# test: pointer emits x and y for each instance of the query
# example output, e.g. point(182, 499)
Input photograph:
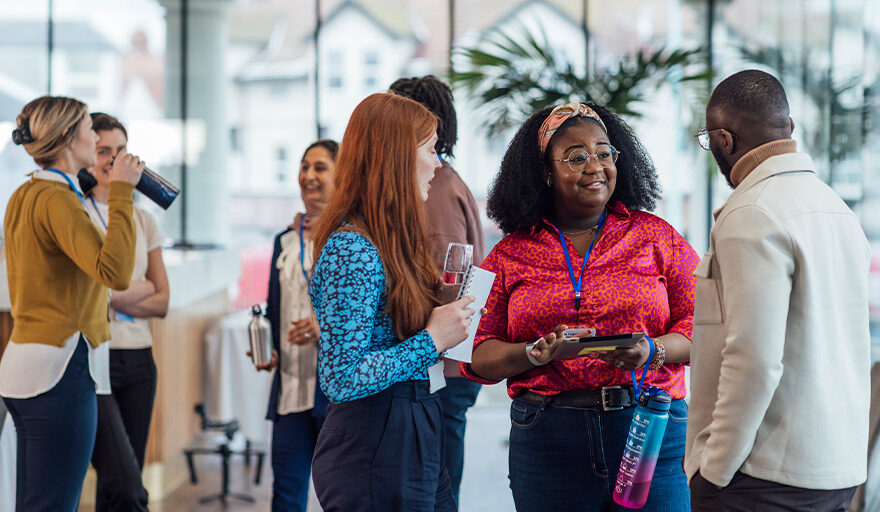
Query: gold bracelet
point(659, 356)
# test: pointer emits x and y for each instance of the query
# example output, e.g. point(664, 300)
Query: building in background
point(258, 92)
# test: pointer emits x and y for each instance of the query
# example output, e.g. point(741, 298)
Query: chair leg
point(225, 453)
point(192, 467)
point(259, 471)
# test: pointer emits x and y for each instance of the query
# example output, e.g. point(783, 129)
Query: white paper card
point(478, 283)
point(436, 380)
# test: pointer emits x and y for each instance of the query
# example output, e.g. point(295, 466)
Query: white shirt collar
point(43, 174)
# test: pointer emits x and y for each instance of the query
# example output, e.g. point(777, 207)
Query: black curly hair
point(436, 96)
point(520, 197)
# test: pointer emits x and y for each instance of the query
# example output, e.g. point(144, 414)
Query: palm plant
point(517, 76)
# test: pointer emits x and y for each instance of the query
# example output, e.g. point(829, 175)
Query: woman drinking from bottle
point(59, 268)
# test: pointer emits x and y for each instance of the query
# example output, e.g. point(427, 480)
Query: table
point(233, 388)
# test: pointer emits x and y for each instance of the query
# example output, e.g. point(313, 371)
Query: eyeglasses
point(703, 136)
point(579, 160)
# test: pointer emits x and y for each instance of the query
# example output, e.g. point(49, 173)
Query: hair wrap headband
point(22, 134)
point(561, 114)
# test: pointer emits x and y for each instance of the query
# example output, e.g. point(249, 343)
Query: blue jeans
point(293, 443)
point(567, 459)
point(56, 434)
point(457, 397)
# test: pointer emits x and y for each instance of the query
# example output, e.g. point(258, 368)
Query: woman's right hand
point(545, 348)
point(127, 168)
point(269, 366)
point(448, 324)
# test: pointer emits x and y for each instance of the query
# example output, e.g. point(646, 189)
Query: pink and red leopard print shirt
point(639, 278)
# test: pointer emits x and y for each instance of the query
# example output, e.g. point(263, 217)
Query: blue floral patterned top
point(358, 353)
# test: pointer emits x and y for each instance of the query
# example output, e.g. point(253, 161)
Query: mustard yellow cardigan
point(59, 265)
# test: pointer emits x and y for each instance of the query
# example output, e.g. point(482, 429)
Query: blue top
point(358, 353)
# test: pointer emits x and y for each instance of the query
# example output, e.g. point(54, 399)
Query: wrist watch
point(529, 348)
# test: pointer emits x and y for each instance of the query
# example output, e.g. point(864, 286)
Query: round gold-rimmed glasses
point(579, 160)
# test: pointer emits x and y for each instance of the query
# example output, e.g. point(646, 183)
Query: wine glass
point(458, 259)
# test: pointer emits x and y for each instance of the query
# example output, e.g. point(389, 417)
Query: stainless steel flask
point(260, 337)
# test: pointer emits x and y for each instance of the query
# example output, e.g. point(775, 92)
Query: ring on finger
point(620, 364)
point(307, 335)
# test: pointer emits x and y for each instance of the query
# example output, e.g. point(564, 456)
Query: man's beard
point(723, 166)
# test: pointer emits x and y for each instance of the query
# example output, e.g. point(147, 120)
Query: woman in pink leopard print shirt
point(572, 187)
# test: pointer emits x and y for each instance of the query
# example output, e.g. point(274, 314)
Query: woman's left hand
point(303, 331)
point(628, 358)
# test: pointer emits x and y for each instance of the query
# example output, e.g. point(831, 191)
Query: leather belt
point(607, 398)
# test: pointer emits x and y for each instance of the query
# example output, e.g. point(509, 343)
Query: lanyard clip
point(577, 301)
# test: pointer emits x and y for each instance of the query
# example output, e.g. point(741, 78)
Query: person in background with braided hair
point(452, 217)
point(582, 252)
point(59, 268)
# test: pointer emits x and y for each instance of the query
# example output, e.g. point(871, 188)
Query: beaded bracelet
point(659, 356)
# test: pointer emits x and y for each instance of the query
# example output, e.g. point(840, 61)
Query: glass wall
point(258, 80)
point(827, 55)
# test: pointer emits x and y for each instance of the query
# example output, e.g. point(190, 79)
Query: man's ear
point(728, 143)
point(791, 121)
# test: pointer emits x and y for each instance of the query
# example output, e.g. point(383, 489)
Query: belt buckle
point(605, 398)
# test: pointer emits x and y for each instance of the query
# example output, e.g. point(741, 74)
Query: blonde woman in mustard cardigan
point(59, 268)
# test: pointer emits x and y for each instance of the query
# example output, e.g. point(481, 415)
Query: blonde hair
point(52, 122)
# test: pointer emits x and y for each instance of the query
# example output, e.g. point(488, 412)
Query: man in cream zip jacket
point(781, 347)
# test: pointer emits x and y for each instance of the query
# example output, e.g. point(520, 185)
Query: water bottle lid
point(655, 399)
point(256, 310)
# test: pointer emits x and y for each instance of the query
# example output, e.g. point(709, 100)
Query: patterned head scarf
point(559, 115)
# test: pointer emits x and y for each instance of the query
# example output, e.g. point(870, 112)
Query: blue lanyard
point(637, 387)
point(580, 280)
point(69, 182)
point(302, 250)
point(100, 217)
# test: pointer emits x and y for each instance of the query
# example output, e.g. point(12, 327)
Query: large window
point(256, 84)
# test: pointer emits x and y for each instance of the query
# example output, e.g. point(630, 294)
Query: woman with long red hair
point(381, 326)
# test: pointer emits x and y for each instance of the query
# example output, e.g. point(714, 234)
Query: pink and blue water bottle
point(642, 448)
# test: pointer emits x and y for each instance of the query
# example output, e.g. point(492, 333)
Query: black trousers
point(747, 494)
point(123, 425)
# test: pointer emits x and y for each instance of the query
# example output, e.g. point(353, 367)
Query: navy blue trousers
point(384, 453)
point(293, 444)
point(56, 434)
point(567, 459)
point(457, 397)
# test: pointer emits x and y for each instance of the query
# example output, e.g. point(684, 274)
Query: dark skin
point(749, 132)
point(579, 198)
